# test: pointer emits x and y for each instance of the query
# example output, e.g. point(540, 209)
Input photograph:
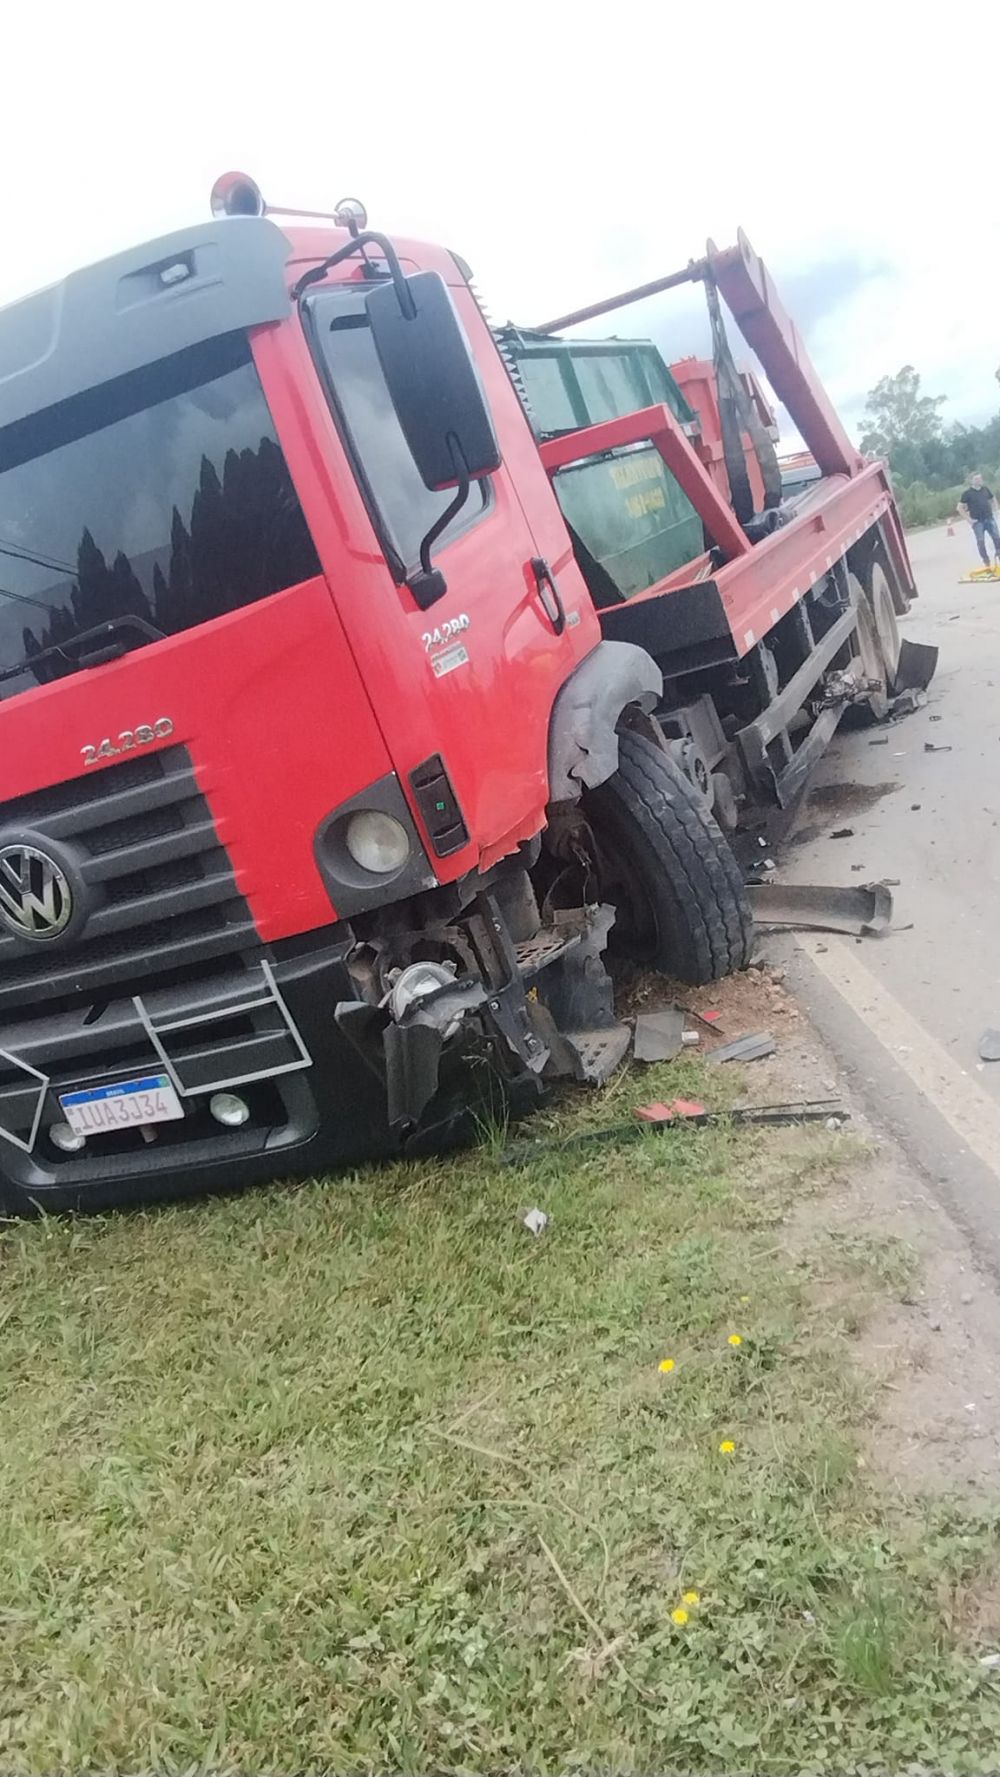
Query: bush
point(920, 505)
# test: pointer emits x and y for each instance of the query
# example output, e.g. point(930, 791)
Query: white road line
point(965, 1107)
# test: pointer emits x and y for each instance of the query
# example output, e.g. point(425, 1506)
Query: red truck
point(325, 781)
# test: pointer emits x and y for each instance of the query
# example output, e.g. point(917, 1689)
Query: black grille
point(160, 887)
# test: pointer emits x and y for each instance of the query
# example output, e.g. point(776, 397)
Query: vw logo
point(36, 900)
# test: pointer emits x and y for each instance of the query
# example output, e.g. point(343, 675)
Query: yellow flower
point(736, 1339)
point(679, 1616)
point(727, 1447)
point(666, 1365)
point(692, 1597)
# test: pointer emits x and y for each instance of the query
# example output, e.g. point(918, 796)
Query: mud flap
point(917, 666)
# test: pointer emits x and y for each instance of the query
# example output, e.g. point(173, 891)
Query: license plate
point(125, 1105)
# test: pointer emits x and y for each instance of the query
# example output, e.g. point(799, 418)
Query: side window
point(403, 508)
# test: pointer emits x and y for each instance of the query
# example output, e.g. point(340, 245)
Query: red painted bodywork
point(293, 705)
point(758, 584)
point(657, 426)
point(696, 379)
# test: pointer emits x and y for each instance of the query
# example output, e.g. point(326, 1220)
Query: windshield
point(162, 495)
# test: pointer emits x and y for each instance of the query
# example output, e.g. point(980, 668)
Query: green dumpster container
point(625, 507)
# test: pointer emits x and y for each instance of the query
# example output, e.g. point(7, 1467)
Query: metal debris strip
point(862, 912)
point(752, 1047)
point(659, 1119)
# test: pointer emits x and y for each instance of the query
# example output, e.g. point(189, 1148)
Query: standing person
point(979, 506)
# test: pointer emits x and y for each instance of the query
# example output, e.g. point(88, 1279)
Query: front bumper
point(317, 1103)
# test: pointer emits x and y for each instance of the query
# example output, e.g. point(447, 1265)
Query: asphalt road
point(905, 1012)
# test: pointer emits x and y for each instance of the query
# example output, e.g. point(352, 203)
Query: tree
point(897, 414)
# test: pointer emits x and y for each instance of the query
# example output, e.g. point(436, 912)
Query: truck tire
point(664, 864)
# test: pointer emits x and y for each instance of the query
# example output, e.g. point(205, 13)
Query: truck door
point(473, 678)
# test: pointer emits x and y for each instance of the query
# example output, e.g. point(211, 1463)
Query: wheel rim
point(869, 651)
point(886, 626)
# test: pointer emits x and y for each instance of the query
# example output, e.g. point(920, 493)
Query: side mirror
point(431, 377)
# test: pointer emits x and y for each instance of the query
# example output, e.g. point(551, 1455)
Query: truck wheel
point(884, 613)
point(868, 653)
point(663, 863)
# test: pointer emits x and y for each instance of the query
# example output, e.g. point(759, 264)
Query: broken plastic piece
point(691, 1038)
point(658, 1035)
point(859, 911)
point(916, 667)
point(989, 1045)
point(749, 1048)
point(536, 1221)
point(657, 1112)
point(931, 746)
point(842, 833)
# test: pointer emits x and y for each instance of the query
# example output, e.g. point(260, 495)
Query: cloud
point(564, 160)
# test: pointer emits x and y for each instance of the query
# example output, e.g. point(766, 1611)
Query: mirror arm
point(429, 584)
point(357, 244)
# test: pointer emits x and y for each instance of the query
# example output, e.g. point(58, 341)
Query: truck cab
point(283, 720)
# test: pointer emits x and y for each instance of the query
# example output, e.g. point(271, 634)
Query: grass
point(360, 1476)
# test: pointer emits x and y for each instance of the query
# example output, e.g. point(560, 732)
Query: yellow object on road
point(992, 573)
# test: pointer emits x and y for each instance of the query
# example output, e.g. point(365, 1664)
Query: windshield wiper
point(104, 642)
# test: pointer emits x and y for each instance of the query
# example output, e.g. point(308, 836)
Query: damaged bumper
point(328, 1080)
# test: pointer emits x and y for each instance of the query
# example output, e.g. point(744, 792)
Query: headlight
point(377, 842)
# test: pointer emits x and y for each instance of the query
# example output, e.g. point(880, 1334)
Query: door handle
point(548, 593)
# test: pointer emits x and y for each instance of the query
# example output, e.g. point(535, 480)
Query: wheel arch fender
point(583, 731)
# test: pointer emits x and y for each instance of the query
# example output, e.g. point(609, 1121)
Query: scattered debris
point(989, 1045)
point(882, 740)
point(914, 807)
point(662, 1113)
point(680, 1112)
point(748, 1048)
point(842, 833)
point(935, 718)
point(931, 747)
point(658, 1035)
point(690, 1038)
point(859, 911)
point(990, 1661)
point(710, 1018)
point(536, 1221)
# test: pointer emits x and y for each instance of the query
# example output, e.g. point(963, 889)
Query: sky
point(565, 152)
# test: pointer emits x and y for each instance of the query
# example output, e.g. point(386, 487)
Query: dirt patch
point(972, 1611)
